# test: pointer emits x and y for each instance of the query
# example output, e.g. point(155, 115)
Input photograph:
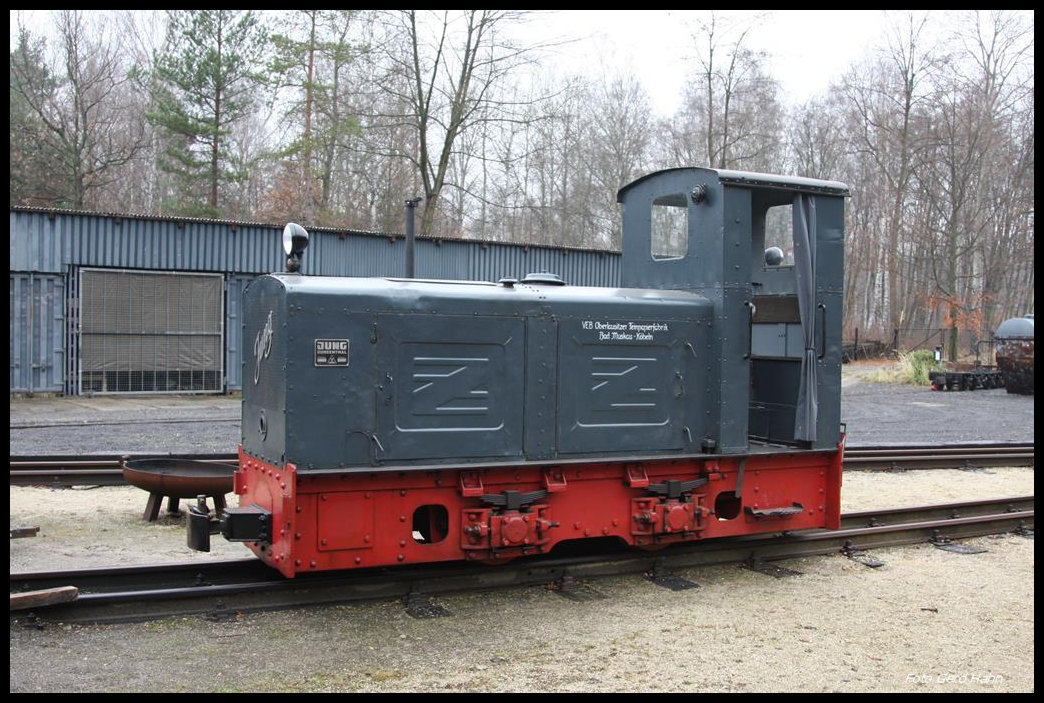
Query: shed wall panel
point(37, 340)
point(234, 348)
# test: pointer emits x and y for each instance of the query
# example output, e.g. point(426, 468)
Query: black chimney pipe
point(411, 211)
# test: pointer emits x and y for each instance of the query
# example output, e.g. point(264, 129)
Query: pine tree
point(206, 82)
point(32, 84)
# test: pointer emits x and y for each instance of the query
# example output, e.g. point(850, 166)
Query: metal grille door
point(150, 332)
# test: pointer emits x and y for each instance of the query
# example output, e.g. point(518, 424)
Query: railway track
point(104, 470)
point(942, 456)
point(88, 470)
point(222, 589)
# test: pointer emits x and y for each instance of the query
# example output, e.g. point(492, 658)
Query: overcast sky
point(808, 49)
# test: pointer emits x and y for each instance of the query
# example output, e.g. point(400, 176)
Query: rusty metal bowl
point(179, 478)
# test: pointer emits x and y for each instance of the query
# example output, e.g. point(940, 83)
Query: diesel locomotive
point(391, 421)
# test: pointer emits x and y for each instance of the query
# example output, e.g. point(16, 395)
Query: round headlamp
point(295, 240)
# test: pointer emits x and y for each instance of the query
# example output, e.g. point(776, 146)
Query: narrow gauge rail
point(939, 456)
point(217, 589)
point(89, 470)
point(104, 470)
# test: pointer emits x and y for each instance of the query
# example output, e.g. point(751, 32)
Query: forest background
point(337, 117)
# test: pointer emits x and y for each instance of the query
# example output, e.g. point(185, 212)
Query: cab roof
point(752, 180)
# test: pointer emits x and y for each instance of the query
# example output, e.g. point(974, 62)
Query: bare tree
point(81, 106)
point(887, 99)
point(557, 183)
point(454, 66)
point(731, 116)
point(991, 148)
point(618, 145)
point(816, 139)
point(940, 156)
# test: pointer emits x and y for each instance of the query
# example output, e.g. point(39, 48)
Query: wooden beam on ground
point(24, 531)
point(48, 596)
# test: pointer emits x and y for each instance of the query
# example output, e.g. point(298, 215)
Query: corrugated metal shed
point(58, 243)
point(51, 241)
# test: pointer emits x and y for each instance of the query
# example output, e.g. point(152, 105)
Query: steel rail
point(938, 511)
point(216, 589)
point(89, 470)
point(962, 456)
point(104, 470)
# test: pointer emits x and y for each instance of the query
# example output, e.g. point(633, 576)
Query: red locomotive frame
point(352, 520)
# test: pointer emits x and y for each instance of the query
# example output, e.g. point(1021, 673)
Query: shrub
point(912, 367)
point(916, 366)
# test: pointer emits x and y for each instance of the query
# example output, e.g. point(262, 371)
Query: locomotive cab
point(768, 251)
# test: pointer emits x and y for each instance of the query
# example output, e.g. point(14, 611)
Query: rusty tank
point(1014, 338)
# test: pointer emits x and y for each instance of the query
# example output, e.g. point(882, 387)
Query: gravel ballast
point(928, 620)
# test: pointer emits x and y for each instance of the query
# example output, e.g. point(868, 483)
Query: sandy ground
point(927, 621)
